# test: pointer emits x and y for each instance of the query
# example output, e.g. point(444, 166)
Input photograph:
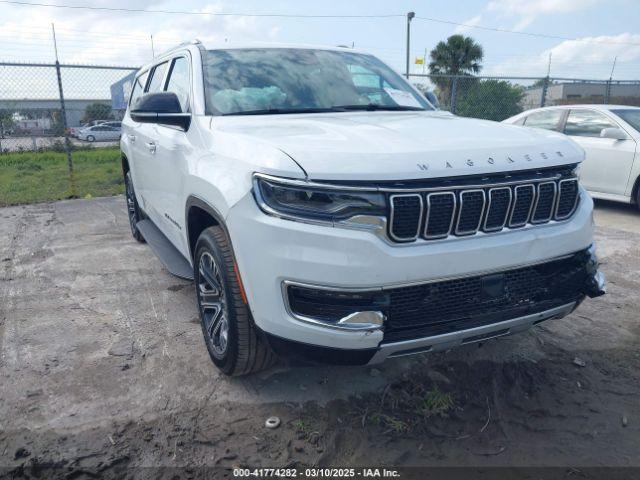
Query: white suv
point(326, 211)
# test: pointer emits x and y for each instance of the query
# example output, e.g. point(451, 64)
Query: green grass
point(31, 177)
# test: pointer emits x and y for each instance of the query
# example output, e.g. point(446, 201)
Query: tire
point(133, 209)
point(638, 196)
point(234, 344)
point(91, 138)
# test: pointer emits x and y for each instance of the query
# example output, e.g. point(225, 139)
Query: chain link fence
point(497, 98)
point(59, 130)
point(59, 124)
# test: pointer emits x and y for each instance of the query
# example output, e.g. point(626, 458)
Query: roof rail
point(195, 41)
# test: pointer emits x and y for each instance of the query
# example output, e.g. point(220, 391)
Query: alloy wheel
point(213, 307)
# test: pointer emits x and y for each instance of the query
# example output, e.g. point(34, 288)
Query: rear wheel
point(234, 344)
point(133, 209)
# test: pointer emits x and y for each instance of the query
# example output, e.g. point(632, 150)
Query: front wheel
point(91, 138)
point(234, 344)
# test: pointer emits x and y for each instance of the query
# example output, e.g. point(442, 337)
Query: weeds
point(30, 177)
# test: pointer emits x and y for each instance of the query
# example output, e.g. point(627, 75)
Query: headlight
point(317, 203)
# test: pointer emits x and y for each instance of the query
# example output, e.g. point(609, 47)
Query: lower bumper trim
point(471, 335)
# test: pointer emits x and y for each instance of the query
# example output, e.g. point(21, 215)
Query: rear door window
point(138, 88)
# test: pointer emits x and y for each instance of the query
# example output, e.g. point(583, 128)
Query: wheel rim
point(131, 205)
point(213, 306)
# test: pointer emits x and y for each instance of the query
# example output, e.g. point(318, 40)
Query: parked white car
point(325, 210)
point(100, 133)
point(610, 136)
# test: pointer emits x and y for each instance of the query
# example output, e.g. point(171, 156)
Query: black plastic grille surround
point(537, 198)
point(436, 308)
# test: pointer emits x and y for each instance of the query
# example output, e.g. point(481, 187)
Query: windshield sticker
point(402, 98)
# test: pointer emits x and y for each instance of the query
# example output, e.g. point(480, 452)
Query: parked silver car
point(100, 133)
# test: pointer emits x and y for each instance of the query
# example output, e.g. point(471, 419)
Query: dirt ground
point(103, 368)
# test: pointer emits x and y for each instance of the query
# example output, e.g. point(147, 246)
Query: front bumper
point(271, 251)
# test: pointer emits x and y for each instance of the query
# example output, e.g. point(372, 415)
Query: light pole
point(410, 16)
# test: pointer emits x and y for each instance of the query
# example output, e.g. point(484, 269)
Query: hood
point(401, 145)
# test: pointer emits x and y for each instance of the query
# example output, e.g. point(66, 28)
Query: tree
point(491, 100)
point(97, 111)
point(6, 121)
point(459, 55)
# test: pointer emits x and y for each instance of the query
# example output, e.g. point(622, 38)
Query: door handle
point(151, 146)
point(132, 138)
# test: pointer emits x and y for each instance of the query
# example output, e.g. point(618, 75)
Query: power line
point(529, 34)
point(187, 12)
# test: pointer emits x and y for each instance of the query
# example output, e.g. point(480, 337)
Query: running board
point(169, 255)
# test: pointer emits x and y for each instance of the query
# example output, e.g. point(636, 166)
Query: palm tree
point(459, 55)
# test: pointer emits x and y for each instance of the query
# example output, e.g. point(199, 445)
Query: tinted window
point(179, 81)
point(632, 117)
point(289, 79)
point(586, 123)
point(138, 87)
point(547, 119)
point(155, 85)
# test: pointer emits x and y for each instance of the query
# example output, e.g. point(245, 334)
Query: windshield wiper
point(276, 111)
point(371, 107)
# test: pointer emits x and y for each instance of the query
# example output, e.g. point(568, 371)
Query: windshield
point(631, 116)
point(287, 80)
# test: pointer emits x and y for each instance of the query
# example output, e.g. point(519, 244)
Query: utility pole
point(607, 94)
point(153, 50)
point(410, 16)
point(424, 61)
point(545, 84)
point(63, 114)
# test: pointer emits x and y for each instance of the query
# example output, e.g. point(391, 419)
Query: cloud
point(469, 24)
point(589, 57)
point(522, 13)
point(102, 36)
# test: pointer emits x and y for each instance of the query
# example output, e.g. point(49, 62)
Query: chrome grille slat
point(498, 206)
point(409, 214)
point(544, 203)
point(520, 206)
point(471, 212)
point(428, 227)
point(568, 195)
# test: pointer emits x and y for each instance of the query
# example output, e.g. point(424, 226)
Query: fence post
point(545, 87)
point(607, 92)
point(454, 95)
point(67, 143)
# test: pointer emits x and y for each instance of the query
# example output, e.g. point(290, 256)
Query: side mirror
point(613, 133)
point(162, 108)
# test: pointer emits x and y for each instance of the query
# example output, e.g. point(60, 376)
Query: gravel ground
point(103, 368)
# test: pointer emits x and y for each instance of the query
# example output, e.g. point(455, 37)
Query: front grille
point(451, 305)
point(521, 199)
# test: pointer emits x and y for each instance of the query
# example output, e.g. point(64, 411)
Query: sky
point(603, 29)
